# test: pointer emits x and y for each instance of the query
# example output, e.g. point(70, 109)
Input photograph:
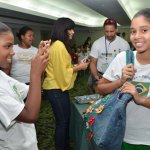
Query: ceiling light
point(75, 10)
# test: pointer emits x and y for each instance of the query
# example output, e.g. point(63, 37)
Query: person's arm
point(32, 106)
point(105, 86)
point(140, 100)
point(93, 68)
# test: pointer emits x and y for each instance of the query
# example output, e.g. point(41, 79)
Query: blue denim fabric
point(61, 107)
point(109, 126)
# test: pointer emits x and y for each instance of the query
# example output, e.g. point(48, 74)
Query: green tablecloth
point(77, 129)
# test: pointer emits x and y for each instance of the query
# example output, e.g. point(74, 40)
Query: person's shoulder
point(4, 75)
point(121, 39)
point(58, 45)
point(59, 42)
point(121, 55)
point(99, 40)
point(34, 48)
point(15, 46)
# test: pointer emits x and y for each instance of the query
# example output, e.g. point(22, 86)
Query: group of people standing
point(28, 64)
point(52, 59)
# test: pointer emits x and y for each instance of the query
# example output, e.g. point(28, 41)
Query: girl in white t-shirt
point(137, 133)
point(24, 51)
point(17, 131)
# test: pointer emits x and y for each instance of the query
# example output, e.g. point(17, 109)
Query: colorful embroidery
point(91, 112)
point(99, 109)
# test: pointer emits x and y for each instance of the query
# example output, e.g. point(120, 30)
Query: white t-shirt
point(14, 135)
point(138, 117)
point(105, 51)
point(21, 63)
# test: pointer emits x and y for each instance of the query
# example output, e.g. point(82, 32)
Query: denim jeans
point(60, 103)
point(109, 126)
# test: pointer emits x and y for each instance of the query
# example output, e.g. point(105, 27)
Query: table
point(77, 129)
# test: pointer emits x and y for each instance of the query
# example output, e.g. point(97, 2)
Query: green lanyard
point(129, 59)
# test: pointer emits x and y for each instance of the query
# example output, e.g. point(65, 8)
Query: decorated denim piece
point(105, 120)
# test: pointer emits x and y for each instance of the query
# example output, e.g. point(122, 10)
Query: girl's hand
point(127, 73)
point(131, 89)
point(40, 60)
point(44, 46)
point(83, 65)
